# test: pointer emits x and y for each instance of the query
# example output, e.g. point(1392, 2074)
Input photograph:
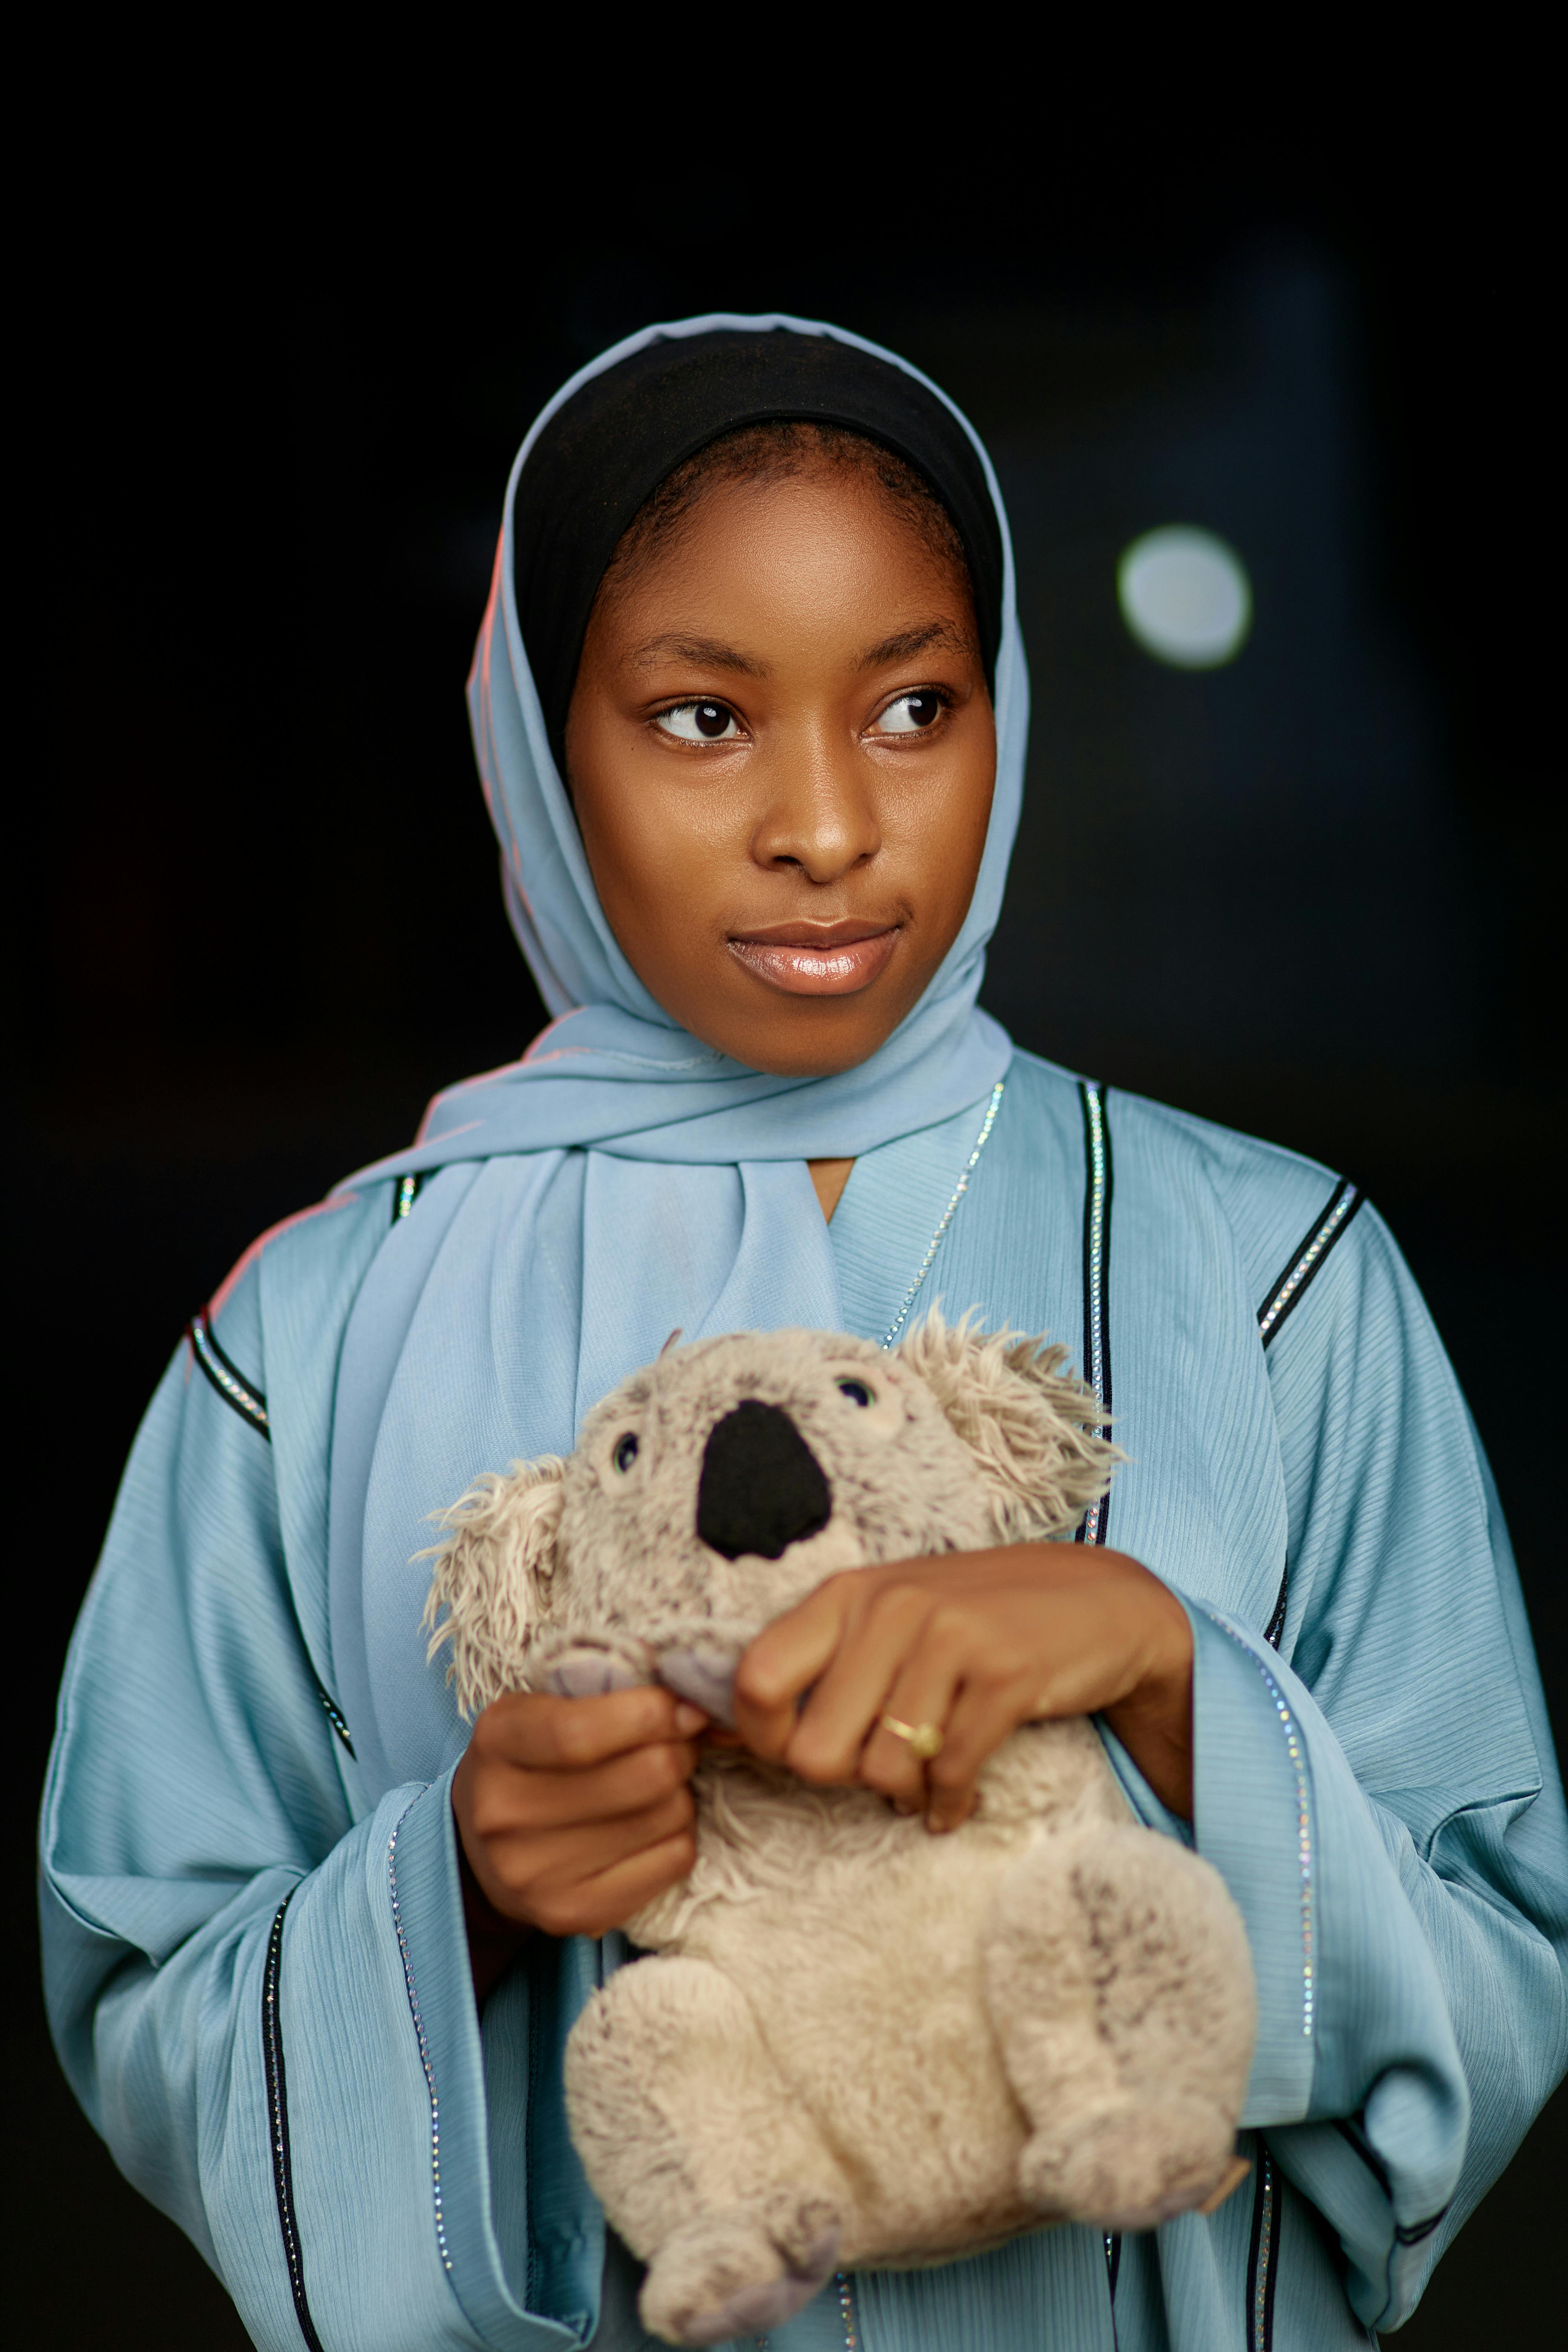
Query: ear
point(492, 1575)
point(1027, 1423)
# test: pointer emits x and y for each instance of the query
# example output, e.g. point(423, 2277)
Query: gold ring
point(924, 1740)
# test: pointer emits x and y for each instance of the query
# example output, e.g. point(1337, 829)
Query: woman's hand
point(571, 1813)
point(974, 1644)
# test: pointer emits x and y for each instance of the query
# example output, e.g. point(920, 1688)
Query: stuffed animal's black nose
point(762, 1487)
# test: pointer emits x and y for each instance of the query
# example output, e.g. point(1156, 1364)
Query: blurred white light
point(1185, 596)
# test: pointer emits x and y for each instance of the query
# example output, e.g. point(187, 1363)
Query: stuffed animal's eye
point(857, 1391)
point(626, 1452)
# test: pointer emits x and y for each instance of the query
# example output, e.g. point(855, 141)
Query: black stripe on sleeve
point(334, 1715)
point(1307, 1260)
point(250, 1404)
point(1263, 2255)
point(277, 2123)
point(1274, 1632)
point(230, 1382)
point(1099, 1186)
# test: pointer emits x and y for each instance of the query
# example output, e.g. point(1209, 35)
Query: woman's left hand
point(974, 1645)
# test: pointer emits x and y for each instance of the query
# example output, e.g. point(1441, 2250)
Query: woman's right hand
point(571, 1814)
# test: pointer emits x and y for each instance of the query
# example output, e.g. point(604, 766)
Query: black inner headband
point(608, 449)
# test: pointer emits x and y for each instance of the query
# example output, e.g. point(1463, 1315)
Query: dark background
point(253, 911)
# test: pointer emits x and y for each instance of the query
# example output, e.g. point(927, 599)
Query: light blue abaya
point(256, 1966)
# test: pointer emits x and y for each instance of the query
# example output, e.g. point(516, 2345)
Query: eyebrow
point(908, 642)
point(712, 652)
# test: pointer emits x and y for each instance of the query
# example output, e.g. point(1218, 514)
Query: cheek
point(946, 832)
point(657, 857)
point(967, 808)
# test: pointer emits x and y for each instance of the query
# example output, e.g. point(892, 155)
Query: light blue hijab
point(620, 1182)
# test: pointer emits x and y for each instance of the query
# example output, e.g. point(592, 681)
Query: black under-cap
point(609, 447)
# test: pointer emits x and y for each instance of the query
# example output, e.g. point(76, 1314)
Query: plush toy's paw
point(741, 2271)
point(579, 1669)
point(703, 1672)
point(1132, 2165)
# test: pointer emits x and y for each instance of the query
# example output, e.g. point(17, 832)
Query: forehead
point(820, 556)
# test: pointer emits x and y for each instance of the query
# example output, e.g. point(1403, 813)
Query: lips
point(817, 959)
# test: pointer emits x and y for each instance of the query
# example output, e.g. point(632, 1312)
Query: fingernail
point(938, 1824)
point(689, 1719)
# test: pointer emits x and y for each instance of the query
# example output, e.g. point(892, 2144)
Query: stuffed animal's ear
point(1026, 1422)
point(492, 1575)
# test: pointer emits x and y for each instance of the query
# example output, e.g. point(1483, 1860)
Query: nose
point(820, 817)
point(762, 1487)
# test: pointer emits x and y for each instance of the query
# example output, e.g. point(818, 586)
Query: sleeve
point(259, 1983)
point(1382, 1799)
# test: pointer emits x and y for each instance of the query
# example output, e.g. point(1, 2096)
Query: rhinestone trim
point(335, 1716)
point(846, 2287)
point(277, 2123)
point(441, 2246)
point(946, 1218)
point(1297, 1754)
point(1274, 1632)
point(405, 1196)
point(1307, 1259)
point(248, 1403)
point(1260, 2313)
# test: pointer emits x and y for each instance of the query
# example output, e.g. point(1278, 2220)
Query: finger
point(507, 1801)
point(882, 1640)
point(924, 1692)
point(783, 1661)
point(533, 1728)
point(984, 1712)
point(530, 1875)
point(611, 1897)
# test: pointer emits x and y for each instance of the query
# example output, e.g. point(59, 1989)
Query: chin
point(798, 1036)
point(792, 1048)
point(811, 1056)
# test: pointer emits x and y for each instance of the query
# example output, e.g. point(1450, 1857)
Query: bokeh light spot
point(1185, 596)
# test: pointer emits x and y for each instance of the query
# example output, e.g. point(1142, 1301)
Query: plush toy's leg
point(1120, 1986)
point(705, 2166)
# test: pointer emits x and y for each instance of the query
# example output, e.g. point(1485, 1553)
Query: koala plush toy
point(851, 2043)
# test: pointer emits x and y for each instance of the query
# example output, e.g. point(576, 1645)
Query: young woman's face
point(781, 754)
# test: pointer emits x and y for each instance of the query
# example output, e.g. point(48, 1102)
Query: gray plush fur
point(857, 2045)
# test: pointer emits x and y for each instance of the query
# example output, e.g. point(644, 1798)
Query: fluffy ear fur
point(1026, 1422)
point(492, 1577)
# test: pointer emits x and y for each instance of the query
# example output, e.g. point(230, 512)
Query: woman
point(750, 708)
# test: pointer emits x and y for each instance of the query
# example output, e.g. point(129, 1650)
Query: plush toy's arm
point(699, 1666)
point(702, 1665)
point(568, 1665)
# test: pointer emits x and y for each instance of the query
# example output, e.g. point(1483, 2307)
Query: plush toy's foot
point(741, 2272)
point(1132, 2165)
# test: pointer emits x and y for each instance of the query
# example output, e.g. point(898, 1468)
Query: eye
point(699, 722)
point(911, 714)
point(626, 1451)
point(857, 1391)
